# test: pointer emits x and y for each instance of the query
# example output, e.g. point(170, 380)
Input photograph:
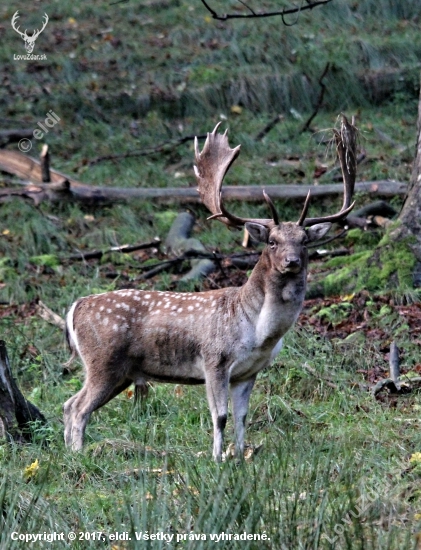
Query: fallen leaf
point(236, 109)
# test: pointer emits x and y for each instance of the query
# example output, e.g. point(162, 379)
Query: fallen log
point(10, 136)
point(64, 187)
point(179, 241)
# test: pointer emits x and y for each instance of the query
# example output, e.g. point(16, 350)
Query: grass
point(142, 469)
point(333, 465)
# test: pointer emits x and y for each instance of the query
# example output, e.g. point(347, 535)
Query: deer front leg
point(217, 393)
point(240, 397)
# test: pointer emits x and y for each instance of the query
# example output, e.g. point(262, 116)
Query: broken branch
point(166, 145)
point(125, 249)
point(319, 102)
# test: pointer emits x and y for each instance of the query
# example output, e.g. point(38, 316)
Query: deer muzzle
point(292, 263)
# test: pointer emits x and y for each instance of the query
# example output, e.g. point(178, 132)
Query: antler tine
point(212, 163)
point(305, 209)
point(346, 146)
point(272, 208)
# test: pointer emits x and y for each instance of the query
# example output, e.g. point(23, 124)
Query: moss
point(164, 220)
point(46, 260)
point(362, 239)
point(388, 267)
point(341, 261)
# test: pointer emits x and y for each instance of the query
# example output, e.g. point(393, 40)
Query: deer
point(220, 338)
point(29, 40)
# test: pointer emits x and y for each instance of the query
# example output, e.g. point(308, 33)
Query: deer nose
point(292, 262)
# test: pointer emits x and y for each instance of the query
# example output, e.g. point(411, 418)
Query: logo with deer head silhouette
point(29, 40)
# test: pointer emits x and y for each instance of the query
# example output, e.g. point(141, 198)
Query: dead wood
point(179, 240)
point(13, 136)
point(375, 214)
point(386, 383)
point(242, 260)
point(328, 240)
point(380, 221)
point(48, 315)
point(16, 412)
point(394, 363)
point(64, 187)
point(396, 384)
point(319, 102)
point(387, 139)
point(252, 13)
point(168, 145)
point(269, 126)
point(45, 164)
point(98, 254)
point(321, 253)
point(377, 208)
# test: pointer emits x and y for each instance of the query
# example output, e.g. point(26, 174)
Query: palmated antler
point(212, 163)
point(346, 146)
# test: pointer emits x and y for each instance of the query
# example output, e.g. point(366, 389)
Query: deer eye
point(272, 244)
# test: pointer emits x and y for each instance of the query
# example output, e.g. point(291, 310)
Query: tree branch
point(319, 103)
point(170, 144)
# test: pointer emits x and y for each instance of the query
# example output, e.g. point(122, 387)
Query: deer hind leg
point(68, 422)
point(240, 397)
point(78, 409)
point(217, 393)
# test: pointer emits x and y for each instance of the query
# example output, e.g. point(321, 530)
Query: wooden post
point(45, 164)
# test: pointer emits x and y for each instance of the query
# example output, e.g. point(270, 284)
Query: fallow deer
point(220, 338)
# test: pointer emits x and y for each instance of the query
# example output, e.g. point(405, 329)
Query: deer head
point(29, 40)
point(285, 240)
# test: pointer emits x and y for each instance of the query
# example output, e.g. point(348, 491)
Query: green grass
point(324, 453)
point(333, 462)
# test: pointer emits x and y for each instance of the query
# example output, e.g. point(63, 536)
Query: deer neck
point(273, 299)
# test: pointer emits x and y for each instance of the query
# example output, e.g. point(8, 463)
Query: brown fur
point(222, 338)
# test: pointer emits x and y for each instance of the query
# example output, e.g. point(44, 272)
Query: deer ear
point(318, 231)
point(258, 232)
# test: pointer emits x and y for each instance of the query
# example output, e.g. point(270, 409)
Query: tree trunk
point(15, 411)
point(409, 227)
